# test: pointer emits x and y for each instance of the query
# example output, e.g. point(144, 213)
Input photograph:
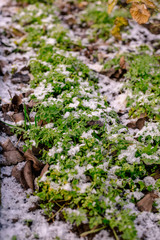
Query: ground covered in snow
point(87, 106)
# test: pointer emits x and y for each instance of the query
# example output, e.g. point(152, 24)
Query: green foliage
point(142, 77)
point(90, 178)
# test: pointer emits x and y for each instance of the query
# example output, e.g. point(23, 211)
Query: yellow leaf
point(118, 24)
point(116, 32)
point(121, 21)
point(111, 5)
point(140, 13)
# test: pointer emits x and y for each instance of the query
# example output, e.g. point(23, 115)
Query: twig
point(10, 94)
point(115, 234)
point(92, 231)
point(18, 140)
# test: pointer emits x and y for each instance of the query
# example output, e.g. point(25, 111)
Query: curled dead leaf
point(139, 13)
point(16, 173)
point(145, 204)
point(37, 165)
point(122, 62)
point(16, 100)
point(45, 169)
point(7, 146)
point(28, 174)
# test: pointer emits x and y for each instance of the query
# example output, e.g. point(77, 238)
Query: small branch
point(115, 234)
point(18, 140)
point(10, 93)
point(92, 231)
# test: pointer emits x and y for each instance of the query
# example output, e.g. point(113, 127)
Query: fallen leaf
point(12, 158)
point(18, 117)
point(31, 104)
point(28, 174)
point(11, 154)
point(16, 100)
point(2, 67)
point(20, 78)
point(16, 173)
point(37, 165)
point(140, 123)
point(137, 124)
point(6, 107)
point(111, 5)
point(131, 125)
point(6, 129)
point(93, 123)
point(145, 204)
point(122, 62)
point(45, 169)
point(139, 13)
point(8, 117)
point(8, 146)
point(153, 27)
point(29, 92)
point(119, 23)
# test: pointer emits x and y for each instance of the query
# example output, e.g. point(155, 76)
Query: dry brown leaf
point(37, 165)
point(93, 123)
point(6, 129)
point(122, 62)
point(29, 92)
point(12, 157)
point(139, 13)
point(18, 117)
point(140, 123)
point(6, 107)
point(8, 116)
point(45, 169)
point(16, 100)
point(137, 124)
point(145, 204)
point(28, 174)
point(8, 146)
point(16, 173)
point(131, 125)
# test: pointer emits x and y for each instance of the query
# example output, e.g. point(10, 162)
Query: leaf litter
point(59, 228)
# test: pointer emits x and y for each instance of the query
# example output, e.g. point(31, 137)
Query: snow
point(16, 206)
